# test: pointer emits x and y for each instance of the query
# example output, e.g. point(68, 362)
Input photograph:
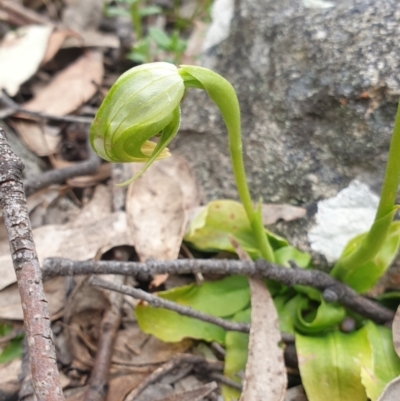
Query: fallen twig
point(14, 108)
point(225, 380)
point(99, 378)
point(290, 277)
point(158, 302)
point(59, 176)
point(42, 355)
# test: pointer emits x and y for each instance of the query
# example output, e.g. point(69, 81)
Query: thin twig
point(225, 380)
point(46, 381)
point(99, 378)
point(59, 176)
point(14, 108)
point(158, 302)
point(166, 368)
point(290, 277)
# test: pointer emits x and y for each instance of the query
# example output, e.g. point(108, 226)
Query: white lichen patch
point(339, 219)
point(221, 15)
point(318, 4)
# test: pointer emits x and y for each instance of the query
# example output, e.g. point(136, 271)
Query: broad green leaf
point(286, 311)
point(284, 255)
point(222, 298)
point(364, 276)
point(13, 350)
point(236, 345)
point(330, 365)
point(170, 326)
point(309, 313)
point(211, 229)
point(385, 362)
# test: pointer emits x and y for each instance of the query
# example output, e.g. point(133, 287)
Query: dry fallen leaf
point(196, 394)
point(9, 379)
point(16, 14)
point(83, 316)
point(93, 39)
point(94, 231)
point(71, 87)
point(21, 52)
point(56, 40)
point(119, 387)
point(40, 140)
point(80, 15)
point(157, 205)
point(265, 376)
point(391, 391)
point(396, 331)
point(133, 348)
point(195, 43)
point(271, 214)
point(85, 18)
point(296, 394)
point(10, 301)
point(85, 181)
point(78, 242)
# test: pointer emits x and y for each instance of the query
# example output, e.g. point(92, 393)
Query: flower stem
point(136, 20)
point(392, 174)
point(224, 96)
point(376, 236)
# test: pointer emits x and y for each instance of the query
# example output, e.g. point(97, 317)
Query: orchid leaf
point(364, 276)
point(236, 345)
point(170, 326)
point(286, 312)
point(212, 228)
point(289, 253)
point(310, 313)
point(330, 365)
point(221, 298)
point(385, 362)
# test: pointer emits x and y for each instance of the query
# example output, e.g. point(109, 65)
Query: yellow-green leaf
point(330, 365)
point(385, 362)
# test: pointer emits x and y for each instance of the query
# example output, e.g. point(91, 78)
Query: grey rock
point(318, 88)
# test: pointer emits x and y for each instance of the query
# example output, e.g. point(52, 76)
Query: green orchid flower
point(144, 103)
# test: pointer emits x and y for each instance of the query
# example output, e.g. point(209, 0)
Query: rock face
point(318, 83)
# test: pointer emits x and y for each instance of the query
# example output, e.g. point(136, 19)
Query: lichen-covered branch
point(39, 337)
point(332, 289)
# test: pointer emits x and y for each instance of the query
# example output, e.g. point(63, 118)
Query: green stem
point(392, 174)
point(376, 236)
point(136, 19)
point(224, 96)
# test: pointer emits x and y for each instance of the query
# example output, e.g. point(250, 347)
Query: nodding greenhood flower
point(143, 103)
